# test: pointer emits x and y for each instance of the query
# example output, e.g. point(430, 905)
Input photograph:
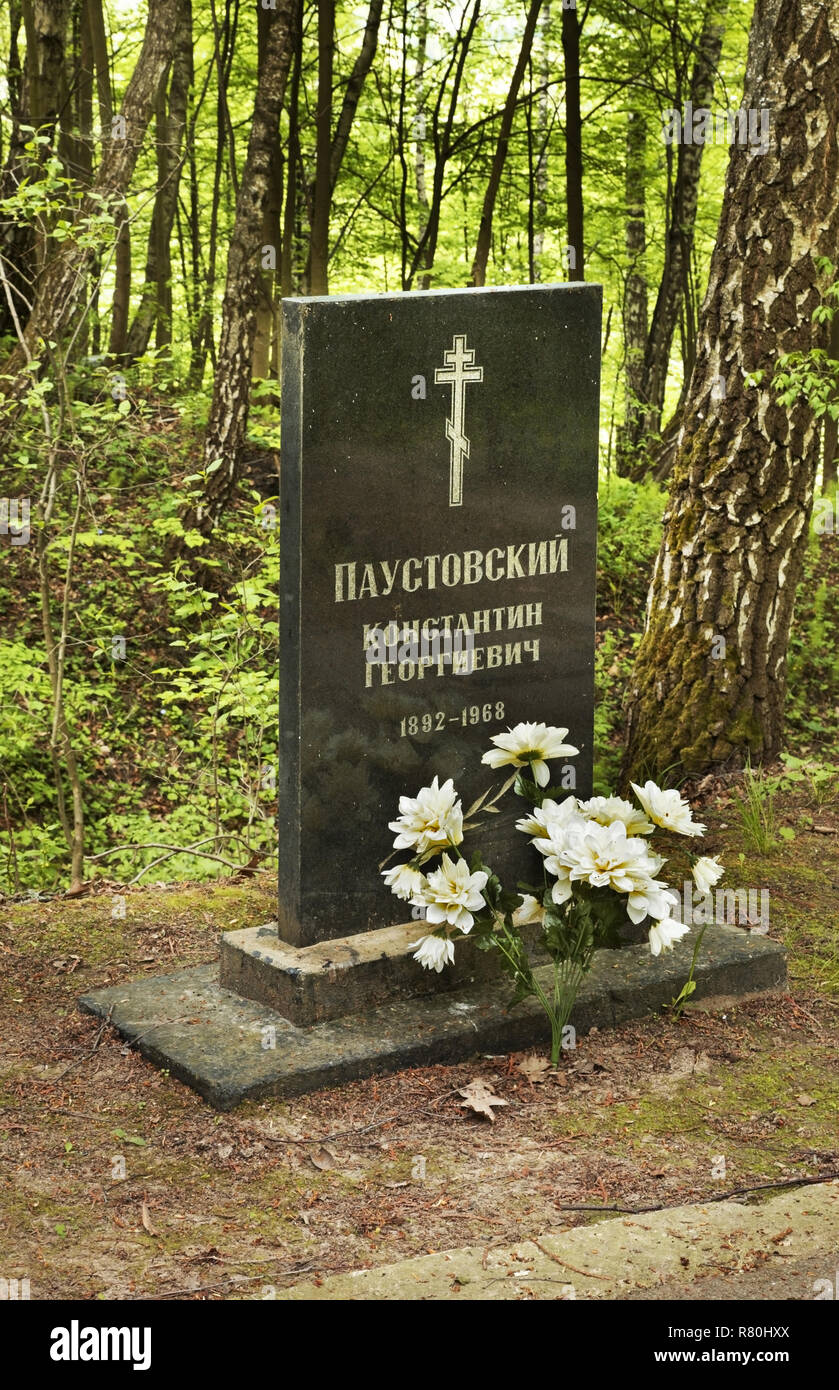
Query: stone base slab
point(230, 1049)
point(349, 974)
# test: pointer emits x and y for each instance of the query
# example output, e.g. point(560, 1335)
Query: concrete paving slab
point(783, 1246)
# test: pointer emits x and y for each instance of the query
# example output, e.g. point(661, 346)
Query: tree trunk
point(224, 41)
point(571, 28)
point(41, 90)
point(16, 236)
point(61, 284)
point(121, 302)
point(156, 300)
point(99, 44)
point(420, 114)
point(292, 185)
point(46, 37)
point(231, 392)
point(499, 159)
point(831, 426)
point(82, 162)
point(709, 683)
point(646, 420)
point(269, 249)
point(635, 291)
point(268, 278)
point(318, 276)
point(540, 180)
point(426, 248)
point(354, 88)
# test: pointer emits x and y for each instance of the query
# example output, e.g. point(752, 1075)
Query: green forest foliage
point(171, 676)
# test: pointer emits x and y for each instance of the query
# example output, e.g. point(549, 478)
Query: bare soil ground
point(119, 1183)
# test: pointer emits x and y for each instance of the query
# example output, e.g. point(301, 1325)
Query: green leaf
point(129, 1138)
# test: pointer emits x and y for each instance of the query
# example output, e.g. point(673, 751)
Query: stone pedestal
point(347, 975)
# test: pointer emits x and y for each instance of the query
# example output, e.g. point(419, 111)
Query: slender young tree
point(539, 191)
point(293, 178)
point(419, 259)
point(231, 390)
point(318, 276)
point(420, 125)
point(635, 310)
point(62, 280)
point(155, 306)
point(224, 46)
point(354, 89)
point(332, 147)
point(709, 682)
point(572, 28)
point(647, 389)
point(38, 88)
point(479, 265)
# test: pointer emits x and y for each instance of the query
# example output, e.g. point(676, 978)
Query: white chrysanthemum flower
point(706, 872)
point(608, 809)
point(529, 911)
point(550, 813)
point(559, 830)
point(429, 821)
point(561, 891)
point(404, 881)
point(667, 809)
point(452, 894)
point(604, 856)
point(433, 952)
point(664, 933)
point(650, 898)
point(530, 745)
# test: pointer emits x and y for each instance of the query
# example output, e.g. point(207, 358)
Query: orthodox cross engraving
point(458, 371)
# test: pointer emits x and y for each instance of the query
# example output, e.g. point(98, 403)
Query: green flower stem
point(568, 972)
point(557, 1021)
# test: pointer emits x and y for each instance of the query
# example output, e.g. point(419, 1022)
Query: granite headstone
point(438, 534)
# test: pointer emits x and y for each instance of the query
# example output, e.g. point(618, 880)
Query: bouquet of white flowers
point(599, 871)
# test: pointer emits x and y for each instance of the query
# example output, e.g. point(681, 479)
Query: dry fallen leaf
point(534, 1068)
point(804, 1099)
point(583, 1067)
point(146, 1218)
point(480, 1097)
point(323, 1158)
point(782, 1235)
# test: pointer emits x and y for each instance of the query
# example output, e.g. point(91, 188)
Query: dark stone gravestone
point(437, 573)
point(438, 502)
